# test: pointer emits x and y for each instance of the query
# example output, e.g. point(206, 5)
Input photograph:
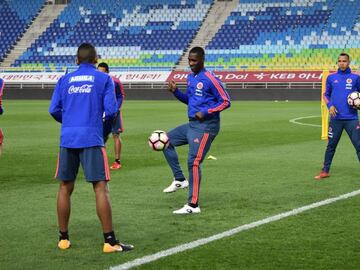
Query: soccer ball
point(158, 140)
point(354, 100)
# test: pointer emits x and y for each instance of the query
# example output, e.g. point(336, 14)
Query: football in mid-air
point(354, 100)
point(158, 140)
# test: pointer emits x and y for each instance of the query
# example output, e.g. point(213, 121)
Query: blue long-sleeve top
point(338, 86)
point(119, 92)
point(79, 101)
point(205, 93)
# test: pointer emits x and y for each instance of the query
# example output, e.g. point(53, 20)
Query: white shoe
point(187, 209)
point(175, 185)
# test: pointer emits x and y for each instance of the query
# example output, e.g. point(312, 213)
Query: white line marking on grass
point(295, 121)
point(204, 241)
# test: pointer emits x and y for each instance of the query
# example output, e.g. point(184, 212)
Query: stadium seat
point(142, 28)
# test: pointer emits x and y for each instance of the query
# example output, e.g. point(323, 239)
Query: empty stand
point(126, 33)
point(16, 16)
point(307, 34)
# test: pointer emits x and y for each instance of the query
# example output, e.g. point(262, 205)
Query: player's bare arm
point(172, 86)
point(332, 111)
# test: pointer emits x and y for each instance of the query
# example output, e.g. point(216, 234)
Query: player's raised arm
point(172, 87)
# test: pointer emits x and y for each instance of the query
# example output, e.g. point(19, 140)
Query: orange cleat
point(322, 175)
point(115, 166)
point(118, 247)
point(64, 244)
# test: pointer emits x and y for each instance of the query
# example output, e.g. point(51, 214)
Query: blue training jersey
point(119, 92)
point(338, 86)
point(205, 93)
point(79, 101)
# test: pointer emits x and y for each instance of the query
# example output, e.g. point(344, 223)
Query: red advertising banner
point(257, 76)
point(125, 77)
point(178, 76)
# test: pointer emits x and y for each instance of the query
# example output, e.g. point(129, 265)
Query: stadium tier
point(126, 33)
point(307, 34)
point(274, 34)
point(16, 15)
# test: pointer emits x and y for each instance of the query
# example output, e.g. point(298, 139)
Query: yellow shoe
point(119, 247)
point(64, 244)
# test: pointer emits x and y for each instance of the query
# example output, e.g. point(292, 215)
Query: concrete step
point(216, 17)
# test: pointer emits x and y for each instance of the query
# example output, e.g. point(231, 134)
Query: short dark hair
point(199, 51)
point(345, 54)
point(86, 53)
point(104, 65)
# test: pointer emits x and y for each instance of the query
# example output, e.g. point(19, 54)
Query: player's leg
point(353, 130)
point(66, 171)
point(103, 206)
point(63, 211)
point(177, 137)
point(117, 128)
point(199, 145)
point(335, 130)
point(96, 170)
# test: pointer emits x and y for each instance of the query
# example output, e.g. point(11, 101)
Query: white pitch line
point(294, 121)
point(203, 241)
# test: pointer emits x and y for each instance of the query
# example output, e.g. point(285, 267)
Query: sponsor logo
point(83, 78)
point(196, 140)
point(349, 80)
point(336, 81)
point(200, 85)
point(83, 89)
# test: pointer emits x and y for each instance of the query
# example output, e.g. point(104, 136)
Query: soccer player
point(342, 116)
point(79, 102)
point(2, 84)
point(117, 125)
point(206, 98)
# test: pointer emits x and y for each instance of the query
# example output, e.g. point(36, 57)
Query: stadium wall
point(152, 85)
point(156, 92)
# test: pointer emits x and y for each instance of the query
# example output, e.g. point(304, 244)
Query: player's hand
point(199, 116)
point(1, 110)
point(172, 86)
point(333, 111)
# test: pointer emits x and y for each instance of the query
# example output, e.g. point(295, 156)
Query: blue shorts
point(93, 161)
point(117, 126)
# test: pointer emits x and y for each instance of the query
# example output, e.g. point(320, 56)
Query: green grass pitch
point(265, 166)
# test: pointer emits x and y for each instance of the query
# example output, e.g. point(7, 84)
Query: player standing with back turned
point(206, 98)
point(79, 101)
point(117, 125)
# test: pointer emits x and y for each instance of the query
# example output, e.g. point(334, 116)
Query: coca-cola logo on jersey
point(84, 89)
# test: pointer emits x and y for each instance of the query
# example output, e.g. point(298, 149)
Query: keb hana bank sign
point(257, 76)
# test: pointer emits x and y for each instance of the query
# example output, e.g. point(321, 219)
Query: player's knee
point(100, 187)
point(67, 187)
